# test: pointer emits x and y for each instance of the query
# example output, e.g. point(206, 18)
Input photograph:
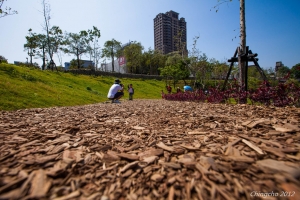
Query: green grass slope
point(23, 87)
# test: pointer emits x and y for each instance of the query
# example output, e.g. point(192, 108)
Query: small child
point(130, 91)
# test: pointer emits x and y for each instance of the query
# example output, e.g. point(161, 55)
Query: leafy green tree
point(174, 72)
point(133, 55)
point(51, 43)
point(176, 68)
point(41, 41)
point(152, 60)
point(282, 72)
point(295, 71)
point(31, 44)
point(173, 59)
point(37, 44)
point(253, 72)
point(158, 61)
point(79, 43)
point(220, 70)
point(146, 61)
point(198, 63)
point(204, 72)
point(112, 49)
point(3, 59)
point(56, 38)
point(6, 11)
point(199, 66)
point(74, 64)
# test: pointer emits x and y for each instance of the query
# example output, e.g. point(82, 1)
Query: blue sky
point(272, 26)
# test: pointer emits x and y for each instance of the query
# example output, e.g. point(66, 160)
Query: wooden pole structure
point(242, 49)
point(230, 69)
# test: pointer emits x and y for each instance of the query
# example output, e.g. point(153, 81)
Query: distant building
point(85, 64)
point(166, 27)
point(67, 65)
point(119, 66)
point(278, 65)
point(18, 63)
point(119, 63)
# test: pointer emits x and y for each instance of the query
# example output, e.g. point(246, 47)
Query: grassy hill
point(24, 87)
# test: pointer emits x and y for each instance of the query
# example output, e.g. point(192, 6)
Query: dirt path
point(150, 149)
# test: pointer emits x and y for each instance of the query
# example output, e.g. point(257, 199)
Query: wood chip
point(274, 166)
point(40, 184)
point(149, 149)
point(256, 148)
point(165, 147)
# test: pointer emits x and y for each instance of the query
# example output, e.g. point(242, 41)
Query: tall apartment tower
point(168, 31)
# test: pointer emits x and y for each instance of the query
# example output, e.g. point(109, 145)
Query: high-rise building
point(169, 32)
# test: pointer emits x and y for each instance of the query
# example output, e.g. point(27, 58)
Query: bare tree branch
point(6, 11)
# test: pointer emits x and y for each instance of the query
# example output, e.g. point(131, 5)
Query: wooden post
point(242, 49)
point(246, 69)
point(230, 68)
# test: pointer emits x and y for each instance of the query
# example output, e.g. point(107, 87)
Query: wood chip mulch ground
point(150, 149)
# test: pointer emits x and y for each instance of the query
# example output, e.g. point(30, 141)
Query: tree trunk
point(44, 58)
point(78, 62)
point(113, 62)
point(242, 49)
point(46, 13)
point(31, 54)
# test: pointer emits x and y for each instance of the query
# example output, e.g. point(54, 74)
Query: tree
point(283, 72)
point(41, 45)
point(175, 68)
point(159, 60)
point(220, 69)
point(6, 11)
point(270, 73)
point(174, 72)
point(31, 44)
point(242, 47)
point(46, 14)
point(74, 64)
point(200, 67)
point(152, 60)
point(95, 52)
point(253, 72)
point(54, 35)
point(37, 44)
point(195, 58)
point(79, 43)
point(295, 71)
point(180, 46)
point(3, 59)
point(204, 70)
point(111, 50)
point(133, 55)
point(146, 59)
point(57, 41)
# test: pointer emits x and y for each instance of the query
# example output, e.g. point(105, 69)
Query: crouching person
point(116, 92)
